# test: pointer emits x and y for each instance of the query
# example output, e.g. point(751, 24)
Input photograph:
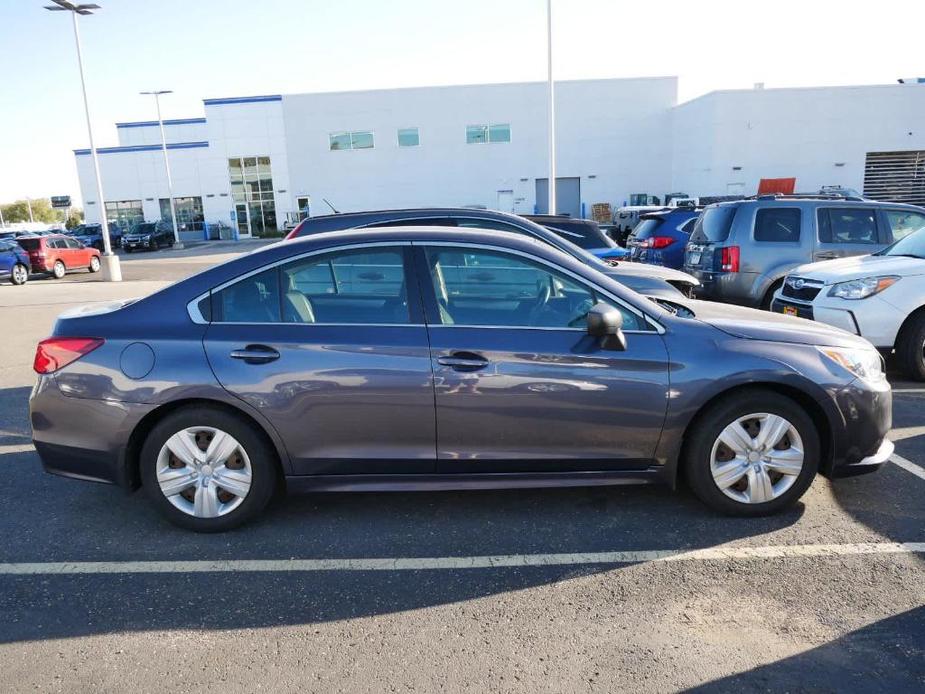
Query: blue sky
point(211, 48)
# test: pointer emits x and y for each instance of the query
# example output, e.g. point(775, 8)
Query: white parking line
point(458, 563)
point(908, 465)
point(16, 448)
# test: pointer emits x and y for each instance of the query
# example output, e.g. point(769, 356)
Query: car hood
point(609, 252)
point(753, 324)
point(858, 266)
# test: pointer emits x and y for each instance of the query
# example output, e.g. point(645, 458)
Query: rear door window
point(778, 224)
point(848, 225)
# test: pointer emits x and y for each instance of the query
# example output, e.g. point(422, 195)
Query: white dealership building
point(253, 162)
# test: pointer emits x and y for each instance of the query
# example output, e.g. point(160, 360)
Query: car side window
point(848, 225)
point(358, 286)
point(72, 244)
point(778, 224)
point(904, 222)
point(254, 299)
point(493, 288)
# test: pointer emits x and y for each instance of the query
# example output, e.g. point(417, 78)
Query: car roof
point(819, 200)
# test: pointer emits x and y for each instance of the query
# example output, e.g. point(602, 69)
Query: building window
point(124, 213)
point(252, 190)
point(408, 137)
point(480, 134)
point(359, 139)
point(189, 213)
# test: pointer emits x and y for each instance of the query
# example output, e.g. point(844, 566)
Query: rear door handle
point(463, 361)
point(255, 354)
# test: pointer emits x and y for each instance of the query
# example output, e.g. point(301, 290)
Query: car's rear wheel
point(910, 348)
point(753, 454)
point(207, 470)
point(19, 275)
point(95, 264)
point(58, 270)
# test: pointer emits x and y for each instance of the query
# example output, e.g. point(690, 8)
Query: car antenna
point(336, 211)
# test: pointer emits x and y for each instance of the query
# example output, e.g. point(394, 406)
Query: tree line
point(42, 211)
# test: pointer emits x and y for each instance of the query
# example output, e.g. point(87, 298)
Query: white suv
point(880, 297)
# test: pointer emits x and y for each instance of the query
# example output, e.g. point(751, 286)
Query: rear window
point(582, 235)
point(647, 227)
point(714, 224)
point(30, 244)
point(778, 224)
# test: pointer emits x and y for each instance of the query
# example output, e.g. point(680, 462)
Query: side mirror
point(606, 323)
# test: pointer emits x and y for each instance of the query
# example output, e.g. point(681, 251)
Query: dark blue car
point(14, 262)
point(92, 235)
point(660, 237)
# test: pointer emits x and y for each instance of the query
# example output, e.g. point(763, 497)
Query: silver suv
point(741, 251)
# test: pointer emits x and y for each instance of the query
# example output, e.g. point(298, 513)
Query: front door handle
point(255, 354)
point(463, 361)
point(826, 255)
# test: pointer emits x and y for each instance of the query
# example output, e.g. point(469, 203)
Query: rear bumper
point(79, 437)
point(733, 287)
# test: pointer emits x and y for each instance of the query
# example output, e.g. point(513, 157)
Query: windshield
point(714, 224)
point(913, 246)
point(582, 234)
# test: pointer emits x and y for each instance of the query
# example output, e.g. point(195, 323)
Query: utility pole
point(551, 207)
point(160, 121)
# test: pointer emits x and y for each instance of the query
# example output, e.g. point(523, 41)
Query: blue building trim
point(150, 123)
point(243, 99)
point(142, 148)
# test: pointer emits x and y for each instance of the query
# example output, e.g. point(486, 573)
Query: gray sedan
point(428, 358)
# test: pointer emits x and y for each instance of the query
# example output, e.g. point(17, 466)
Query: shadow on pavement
point(886, 656)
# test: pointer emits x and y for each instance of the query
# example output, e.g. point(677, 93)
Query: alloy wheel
point(757, 458)
point(204, 472)
point(20, 274)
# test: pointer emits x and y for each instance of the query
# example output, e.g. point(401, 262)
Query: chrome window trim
point(196, 316)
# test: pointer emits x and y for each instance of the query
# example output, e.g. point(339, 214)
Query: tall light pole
point(111, 269)
point(173, 209)
point(551, 207)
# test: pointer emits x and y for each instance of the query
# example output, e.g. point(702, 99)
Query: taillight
point(729, 260)
point(658, 242)
point(57, 352)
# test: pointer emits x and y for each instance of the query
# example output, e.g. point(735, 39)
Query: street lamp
point(111, 270)
point(552, 112)
point(173, 209)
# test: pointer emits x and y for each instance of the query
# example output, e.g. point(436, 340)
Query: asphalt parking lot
point(636, 588)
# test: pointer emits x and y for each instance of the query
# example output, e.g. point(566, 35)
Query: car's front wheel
point(752, 454)
point(19, 275)
point(207, 470)
point(910, 347)
point(95, 263)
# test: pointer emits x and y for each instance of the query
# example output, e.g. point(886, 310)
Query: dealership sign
point(60, 200)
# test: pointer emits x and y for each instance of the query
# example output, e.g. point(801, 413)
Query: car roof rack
point(804, 196)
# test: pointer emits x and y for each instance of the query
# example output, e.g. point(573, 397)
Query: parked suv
point(59, 254)
point(14, 262)
point(147, 235)
point(741, 251)
point(92, 235)
point(880, 297)
point(649, 280)
point(661, 237)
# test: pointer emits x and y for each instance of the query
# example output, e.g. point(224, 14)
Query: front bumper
point(874, 319)
point(860, 420)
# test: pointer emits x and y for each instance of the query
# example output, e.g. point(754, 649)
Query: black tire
point(705, 430)
point(59, 270)
point(262, 461)
point(769, 295)
point(19, 275)
point(910, 347)
point(127, 250)
point(94, 264)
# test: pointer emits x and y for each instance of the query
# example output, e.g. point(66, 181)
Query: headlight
point(866, 364)
point(863, 288)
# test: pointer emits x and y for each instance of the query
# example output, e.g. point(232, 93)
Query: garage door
point(568, 196)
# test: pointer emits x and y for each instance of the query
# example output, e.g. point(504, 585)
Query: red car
point(59, 254)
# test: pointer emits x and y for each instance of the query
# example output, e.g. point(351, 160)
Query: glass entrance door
point(252, 190)
point(244, 227)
